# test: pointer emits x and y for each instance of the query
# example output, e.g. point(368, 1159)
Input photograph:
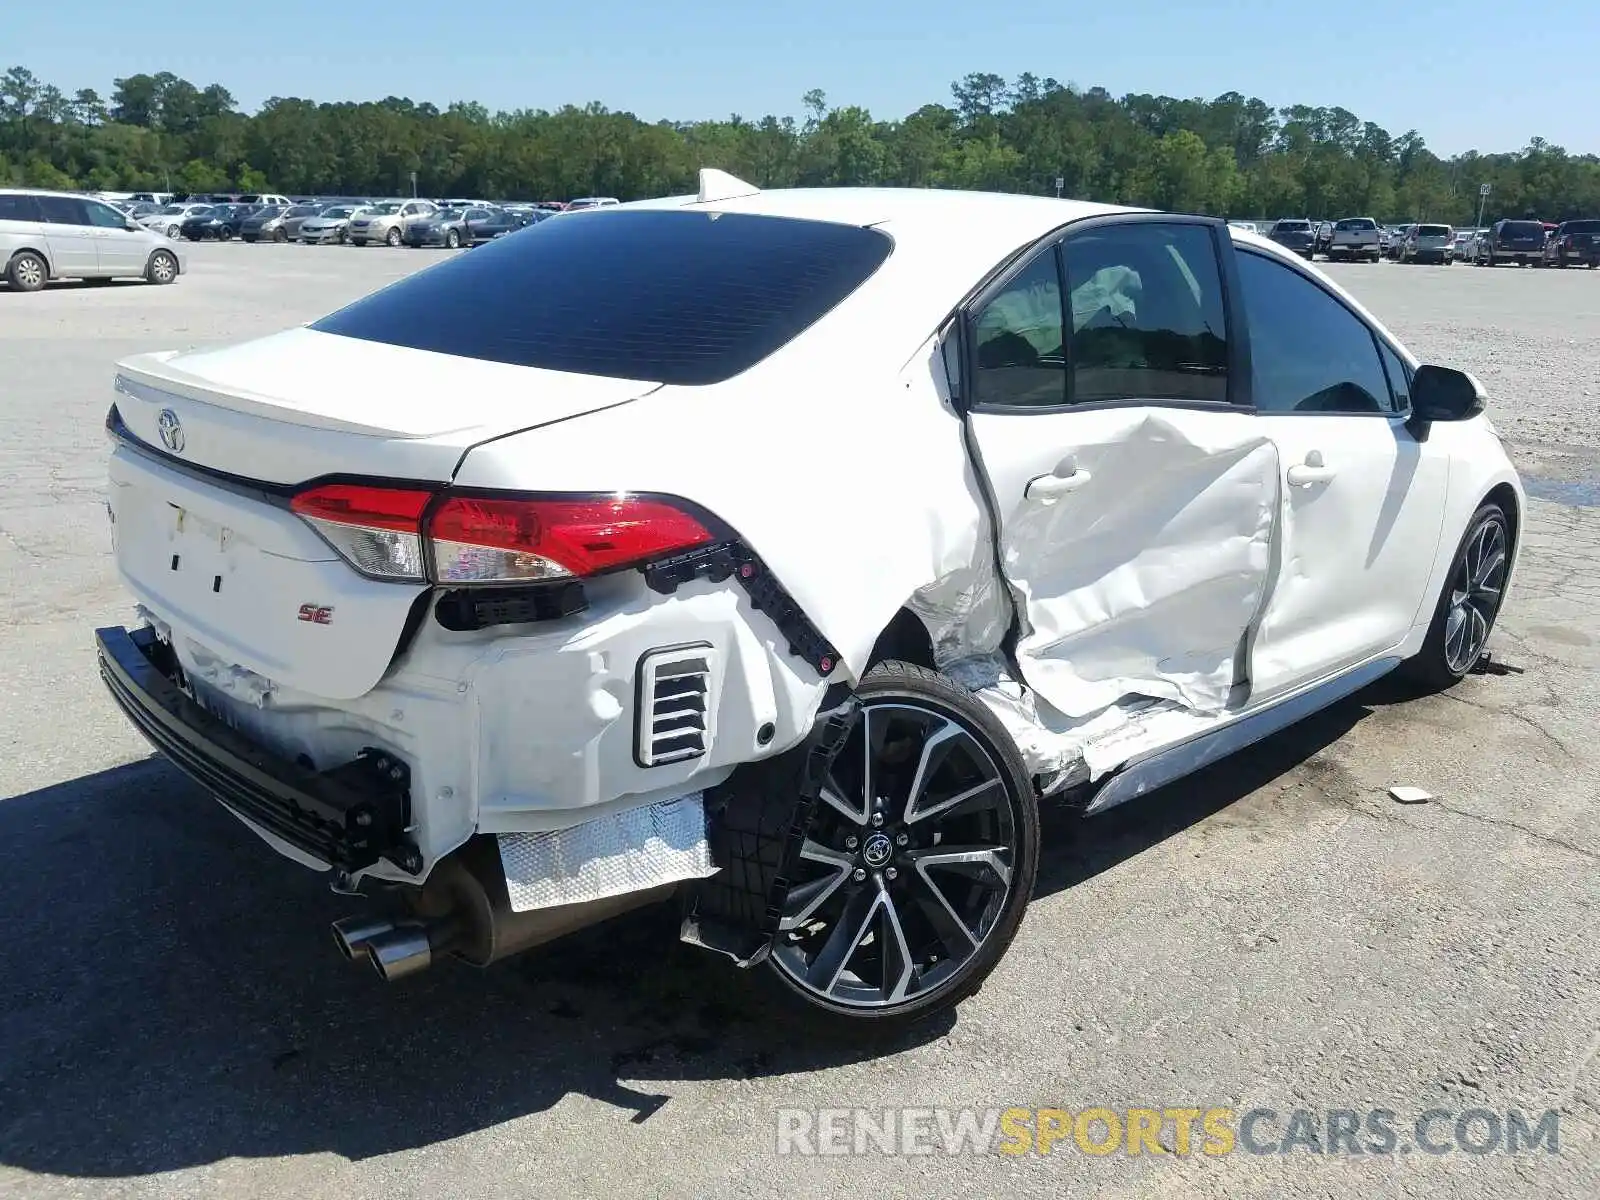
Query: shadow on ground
point(169, 995)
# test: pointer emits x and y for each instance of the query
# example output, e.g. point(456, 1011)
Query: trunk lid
point(228, 567)
point(301, 404)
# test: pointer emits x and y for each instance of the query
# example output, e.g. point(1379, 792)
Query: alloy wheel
point(906, 866)
point(1476, 588)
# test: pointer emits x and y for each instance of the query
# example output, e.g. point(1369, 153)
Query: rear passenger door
point(1362, 499)
point(70, 236)
point(1106, 389)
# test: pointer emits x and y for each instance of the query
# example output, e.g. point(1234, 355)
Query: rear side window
point(1146, 313)
point(18, 208)
point(63, 210)
point(672, 296)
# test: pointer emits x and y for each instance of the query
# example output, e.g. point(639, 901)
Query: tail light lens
point(376, 530)
point(493, 539)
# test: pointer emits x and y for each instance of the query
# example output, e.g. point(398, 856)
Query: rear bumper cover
point(349, 817)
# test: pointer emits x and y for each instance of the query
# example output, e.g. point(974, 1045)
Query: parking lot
point(1276, 932)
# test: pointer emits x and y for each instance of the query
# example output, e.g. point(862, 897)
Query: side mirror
point(132, 226)
point(1444, 394)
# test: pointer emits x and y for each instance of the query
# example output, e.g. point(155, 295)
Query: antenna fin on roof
point(719, 185)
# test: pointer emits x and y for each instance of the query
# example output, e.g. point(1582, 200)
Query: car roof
point(992, 224)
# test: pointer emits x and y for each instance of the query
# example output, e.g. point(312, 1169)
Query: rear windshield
point(1523, 229)
point(1293, 226)
point(1433, 231)
point(1355, 223)
point(679, 297)
point(1582, 227)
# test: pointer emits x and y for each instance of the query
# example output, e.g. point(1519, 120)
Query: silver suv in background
point(1355, 238)
point(1296, 235)
point(388, 222)
point(1429, 243)
point(57, 235)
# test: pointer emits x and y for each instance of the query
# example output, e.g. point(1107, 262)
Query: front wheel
point(278, 235)
point(918, 862)
point(162, 268)
point(392, 237)
point(1469, 604)
point(452, 240)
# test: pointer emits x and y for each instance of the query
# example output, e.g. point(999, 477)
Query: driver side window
point(105, 216)
point(1309, 353)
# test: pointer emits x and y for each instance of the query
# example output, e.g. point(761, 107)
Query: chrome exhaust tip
point(352, 934)
point(400, 951)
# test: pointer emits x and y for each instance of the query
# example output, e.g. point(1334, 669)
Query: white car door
point(1135, 499)
point(121, 251)
point(1362, 499)
point(73, 246)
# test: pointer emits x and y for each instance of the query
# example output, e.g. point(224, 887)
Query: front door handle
point(1048, 487)
point(1313, 470)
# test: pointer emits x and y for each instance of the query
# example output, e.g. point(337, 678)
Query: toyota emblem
point(877, 851)
point(171, 430)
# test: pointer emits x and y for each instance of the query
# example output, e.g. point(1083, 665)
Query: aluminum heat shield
point(609, 856)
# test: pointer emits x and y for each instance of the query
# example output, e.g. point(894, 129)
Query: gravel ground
point(1275, 932)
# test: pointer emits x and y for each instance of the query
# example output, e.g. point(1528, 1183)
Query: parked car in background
point(1324, 240)
point(583, 202)
point(446, 228)
point(57, 235)
point(1429, 243)
point(1354, 239)
point(1512, 241)
point(332, 224)
point(387, 222)
point(492, 582)
point(1574, 244)
point(1461, 249)
point(220, 222)
point(1296, 234)
point(1397, 240)
point(491, 223)
point(531, 214)
point(169, 220)
point(278, 224)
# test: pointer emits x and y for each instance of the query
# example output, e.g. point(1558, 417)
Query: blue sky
point(1469, 75)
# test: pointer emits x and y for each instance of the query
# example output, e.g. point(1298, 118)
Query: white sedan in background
point(779, 551)
point(169, 220)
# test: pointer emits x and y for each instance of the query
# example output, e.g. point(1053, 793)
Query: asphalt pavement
point(1276, 933)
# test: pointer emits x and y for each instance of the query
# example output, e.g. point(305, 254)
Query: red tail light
point(482, 539)
point(493, 539)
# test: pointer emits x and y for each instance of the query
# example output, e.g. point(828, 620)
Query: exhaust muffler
point(463, 911)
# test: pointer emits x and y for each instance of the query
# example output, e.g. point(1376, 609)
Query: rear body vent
point(677, 704)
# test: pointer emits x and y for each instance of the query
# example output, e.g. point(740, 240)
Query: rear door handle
point(1313, 470)
point(1048, 487)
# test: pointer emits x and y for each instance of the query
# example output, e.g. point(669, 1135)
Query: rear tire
point(26, 272)
point(927, 839)
point(1465, 614)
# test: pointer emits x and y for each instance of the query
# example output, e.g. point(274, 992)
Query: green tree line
point(1233, 155)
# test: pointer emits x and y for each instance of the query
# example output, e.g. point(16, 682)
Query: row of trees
point(1232, 155)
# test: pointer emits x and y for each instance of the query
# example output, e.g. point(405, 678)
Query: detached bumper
point(349, 817)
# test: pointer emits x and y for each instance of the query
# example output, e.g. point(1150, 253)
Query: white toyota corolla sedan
point(776, 552)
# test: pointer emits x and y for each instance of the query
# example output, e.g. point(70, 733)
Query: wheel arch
point(38, 252)
point(905, 639)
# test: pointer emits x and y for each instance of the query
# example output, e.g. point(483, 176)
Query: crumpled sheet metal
point(1061, 751)
point(625, 852)
point(1155, 568)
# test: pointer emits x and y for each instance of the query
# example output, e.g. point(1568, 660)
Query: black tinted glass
point(63, 210)
point(1016, 340)
point(1522, 229)
point(1146, 312)
point(679, 297)
point(1399, 378)
point(1581, 227)
point(1309, 353)
point(18, 208)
